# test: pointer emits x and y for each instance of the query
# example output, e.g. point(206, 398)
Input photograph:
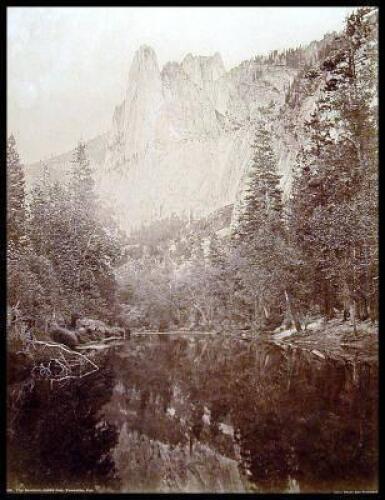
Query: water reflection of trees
point(314, 421)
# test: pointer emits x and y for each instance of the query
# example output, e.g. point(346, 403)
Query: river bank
point(208, 412)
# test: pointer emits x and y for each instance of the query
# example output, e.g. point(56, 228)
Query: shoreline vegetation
point(224, 317)
point(333, 344)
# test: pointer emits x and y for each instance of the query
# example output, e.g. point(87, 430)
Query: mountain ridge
point(180, 140)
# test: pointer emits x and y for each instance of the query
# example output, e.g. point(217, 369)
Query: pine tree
point(16, 209)
point(262, 200)
point(216, 252)
point(220, 280)
point(93, 251)
point(260, 231)
point(333, 180)
point(40, 217)
point(82, 182)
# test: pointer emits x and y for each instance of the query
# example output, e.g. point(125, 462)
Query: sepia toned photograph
point(192, 250)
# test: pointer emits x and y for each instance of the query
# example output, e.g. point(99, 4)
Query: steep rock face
point(181, 139)
point(142, 103)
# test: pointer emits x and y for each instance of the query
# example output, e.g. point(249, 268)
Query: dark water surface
point(222, 413)
point(200, 413)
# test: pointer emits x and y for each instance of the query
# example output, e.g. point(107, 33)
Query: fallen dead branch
point(60, 346)
point(93, 347)
point(66, 377)
point(100, 342)
point(66, 365)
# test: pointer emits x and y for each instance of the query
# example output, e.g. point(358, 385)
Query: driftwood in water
point(89, 330)
point(96, 347)
point(104, 344)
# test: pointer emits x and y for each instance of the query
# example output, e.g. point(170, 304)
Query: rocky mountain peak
point(142, 102)
point(145, 59)
point(202, 69)
point(182, 138)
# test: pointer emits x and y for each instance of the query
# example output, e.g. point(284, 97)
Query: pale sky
point(67, 67)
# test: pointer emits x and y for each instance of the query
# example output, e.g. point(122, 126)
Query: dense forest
point(61, 248)
point(315, 253)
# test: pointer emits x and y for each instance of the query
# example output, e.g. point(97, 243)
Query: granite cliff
point(180, 141)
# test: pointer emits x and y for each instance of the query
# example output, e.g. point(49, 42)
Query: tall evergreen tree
point(262, 201)
point(334, 170)
point(40, 220)
point(260, 230)
point(93, 251)
point(16, 209)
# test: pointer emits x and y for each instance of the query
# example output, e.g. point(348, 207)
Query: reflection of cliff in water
point(221, 414)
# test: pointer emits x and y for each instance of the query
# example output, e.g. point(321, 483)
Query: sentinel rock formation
point(181, 139)
point(142, 103)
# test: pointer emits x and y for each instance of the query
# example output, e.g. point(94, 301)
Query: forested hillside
point(62, 249)
point(313, 253)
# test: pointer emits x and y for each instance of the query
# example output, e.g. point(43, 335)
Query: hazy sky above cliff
point(67, 67)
